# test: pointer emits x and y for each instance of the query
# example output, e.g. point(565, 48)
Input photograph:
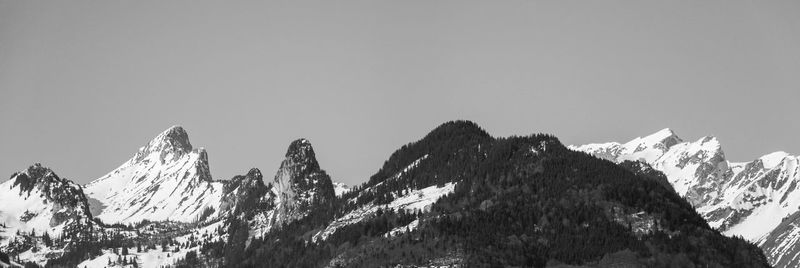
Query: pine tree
point(46, 239)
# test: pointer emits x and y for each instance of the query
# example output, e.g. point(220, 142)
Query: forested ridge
point(519, 201)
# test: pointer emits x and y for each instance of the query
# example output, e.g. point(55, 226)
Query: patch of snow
point(773, 160)
point(146, 259)
point(420, 199)
point(340, 188)
point(402, 229)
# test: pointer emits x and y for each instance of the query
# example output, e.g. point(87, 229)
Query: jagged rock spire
point(300, 182)
point(301, 152)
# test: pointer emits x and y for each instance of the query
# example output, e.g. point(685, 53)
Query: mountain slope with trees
point(518, 201)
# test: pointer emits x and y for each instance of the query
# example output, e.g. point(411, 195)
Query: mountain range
point(457, 197)
point(756, 200)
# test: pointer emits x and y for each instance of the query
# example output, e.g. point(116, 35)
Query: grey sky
point(84, 84)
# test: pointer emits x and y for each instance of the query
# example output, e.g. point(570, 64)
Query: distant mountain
point(166, 180)
point(756, 200)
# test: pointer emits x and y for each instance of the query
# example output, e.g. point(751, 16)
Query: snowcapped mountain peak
point(173, 140)
point(45, 180)
point(174, 133)
point(145, 187)
point(34, 174)
point(774, 159)
point(662, 135)
point(38, 199)
point(661, 140)
point(647, 149)
point(750, 199)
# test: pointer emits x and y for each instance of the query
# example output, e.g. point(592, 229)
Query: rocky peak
point(301, 152)
point(253, 179)
point(46, 181)
point(174, 140)
point(671, 139)
point(300, 162)
point(664, 134)
point(143, 187)
point(300, 182)
point(246, 194)
point(63, 198)
point(663, 139)
point(33, 175)
point(254, 173)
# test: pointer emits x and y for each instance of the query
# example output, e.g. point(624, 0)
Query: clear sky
point(84, 84)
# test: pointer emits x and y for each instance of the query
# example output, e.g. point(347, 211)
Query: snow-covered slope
point(166, 179)
point(751, 199)
point(412, 201)
point(409, 199)
point(37, 205)
point(36, 199)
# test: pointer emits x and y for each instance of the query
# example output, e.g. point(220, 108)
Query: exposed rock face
point(750, 199)
point(300, 183)
point(166, 179)
point(246, 194)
